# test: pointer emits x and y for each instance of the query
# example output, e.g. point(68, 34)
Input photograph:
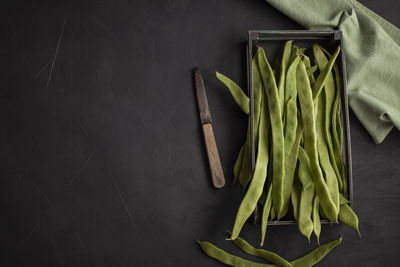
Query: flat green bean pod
point(330, 175)
point(246, 171)
point(291, 106)
point(307, 260)
point(256, 186)
point(239, 96)
point(317, 254)
point(337, 126)
point(310, 142)
point(268, 255)
point(325, 120)
point(305, 224)
point(278, 145)
point(282, 75)
point(320, 82)
point(290, 168)
point(227, 258)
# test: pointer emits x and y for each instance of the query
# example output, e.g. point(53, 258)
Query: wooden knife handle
point(217, 173)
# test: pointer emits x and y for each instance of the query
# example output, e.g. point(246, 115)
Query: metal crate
point(273, 43)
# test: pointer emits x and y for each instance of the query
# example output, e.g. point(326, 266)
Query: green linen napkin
point(372, 52)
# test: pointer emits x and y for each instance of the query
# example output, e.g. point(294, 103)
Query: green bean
point(246, 171)
point(278, 145)
point(265, 216)
point(291, 106)
point(307, 260)
point(290, 168)
point(307, 195)
point(238, 95)
point(310, 142)
point(348, 217)
point(227, 258)
point(320, 82)
point(282, 76)
point(291, 125)
point(330, 175)
point(317, 254)
point(268, 255)
point(336, 125)
point(324, 129)
point(316, 219)
point(256, 186)
point(295, 53)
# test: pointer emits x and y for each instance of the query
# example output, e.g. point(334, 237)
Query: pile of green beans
point(299, 142)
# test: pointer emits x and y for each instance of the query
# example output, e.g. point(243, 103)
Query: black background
point(102, 160)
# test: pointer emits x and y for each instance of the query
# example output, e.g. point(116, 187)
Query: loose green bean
point(307, 260)
point(268, 255)
point(227, 258)
point(317, 254)
point(278, 145)
point(238, 95)
point(310, 142)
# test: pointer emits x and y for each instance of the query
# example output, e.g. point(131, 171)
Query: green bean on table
point(307, 260)
point(268, 255)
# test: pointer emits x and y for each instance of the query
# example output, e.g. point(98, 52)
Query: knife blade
point(214, 161)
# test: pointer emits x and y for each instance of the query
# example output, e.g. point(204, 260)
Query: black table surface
point(102, 157)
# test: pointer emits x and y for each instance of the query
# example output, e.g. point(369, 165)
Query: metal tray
point(273, 43)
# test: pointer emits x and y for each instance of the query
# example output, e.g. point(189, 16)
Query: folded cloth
point(372, 52)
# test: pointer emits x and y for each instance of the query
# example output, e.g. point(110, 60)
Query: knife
point(217, 173)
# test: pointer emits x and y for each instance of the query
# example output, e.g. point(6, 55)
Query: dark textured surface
point(102, 160)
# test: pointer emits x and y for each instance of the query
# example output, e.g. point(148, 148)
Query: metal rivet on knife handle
point(214, 161)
